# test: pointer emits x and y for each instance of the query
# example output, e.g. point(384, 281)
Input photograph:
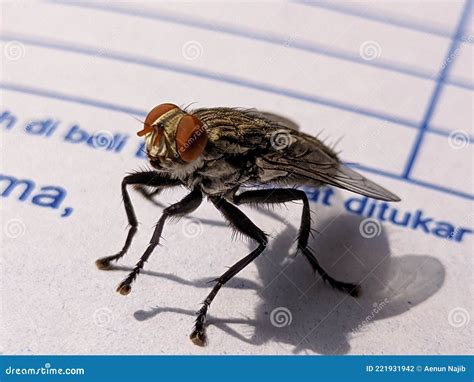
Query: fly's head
point(175, 140)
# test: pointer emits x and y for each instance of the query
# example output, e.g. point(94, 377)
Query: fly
point(214, 153)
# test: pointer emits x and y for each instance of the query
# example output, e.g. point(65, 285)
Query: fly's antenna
point(147, 127)
point(136, 119)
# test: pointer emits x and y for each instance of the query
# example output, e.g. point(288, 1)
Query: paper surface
point(392, 82)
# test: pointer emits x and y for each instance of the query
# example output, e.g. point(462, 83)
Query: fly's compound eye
point(153, 115)
point(191, 138)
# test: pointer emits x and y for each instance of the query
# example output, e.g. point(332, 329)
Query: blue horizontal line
point(96, 103)
point(269, 38)
point(117, 108)
point(400, 21)
point(173, 67)
point(420, 183)
point(445, 133)
point(71, 98)
point(210, 75)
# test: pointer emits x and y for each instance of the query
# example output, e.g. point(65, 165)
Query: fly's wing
point(235, 131)
point(306, 160)
point(282, 154)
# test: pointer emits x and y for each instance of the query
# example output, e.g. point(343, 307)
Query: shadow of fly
point(216, 153)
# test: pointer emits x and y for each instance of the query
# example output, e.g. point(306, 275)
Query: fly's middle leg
point(240, 222)
point(185, 206)
point(282, 195)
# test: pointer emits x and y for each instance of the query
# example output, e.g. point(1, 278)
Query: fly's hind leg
point(146, 178)
point(283, 195)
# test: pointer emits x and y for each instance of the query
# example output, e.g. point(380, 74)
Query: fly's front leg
point(187, 205)
point(147, 178)
point(243, 224)
point(283, 195)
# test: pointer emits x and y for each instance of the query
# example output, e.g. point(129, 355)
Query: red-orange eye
point(153, 115)
point(191, 138)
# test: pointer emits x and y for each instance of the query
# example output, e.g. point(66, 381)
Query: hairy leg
point(240, 222)
point(283, 195)
point(149, 195)
point(185, 206)
point(146, 178)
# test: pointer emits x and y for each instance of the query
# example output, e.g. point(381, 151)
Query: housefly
point(215, 153)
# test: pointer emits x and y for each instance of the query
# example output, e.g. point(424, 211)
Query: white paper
point(81, 68)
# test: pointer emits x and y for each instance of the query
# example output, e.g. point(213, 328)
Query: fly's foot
point(198, 336)
point(103, 263)
point(353, 289)
point(124, 288)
